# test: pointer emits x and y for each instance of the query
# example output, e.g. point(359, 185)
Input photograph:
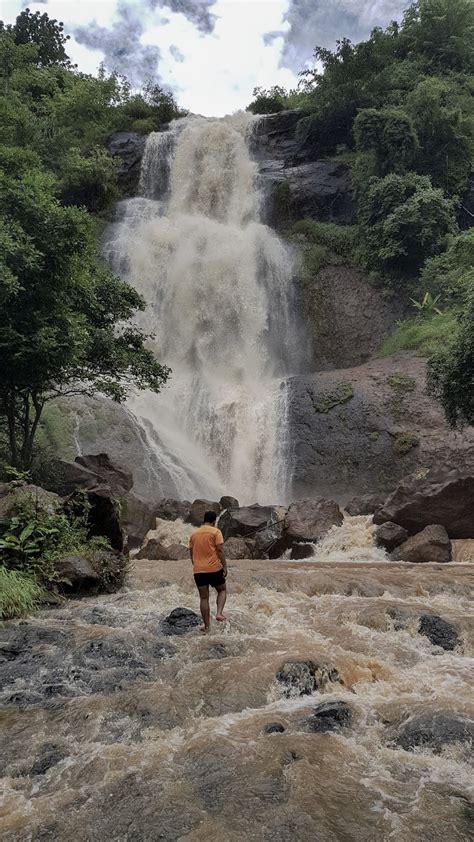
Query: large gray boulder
point(432, 731)
point(199, 508)
point(235, 548)
point(247, 520)
point(153, 550)
point(127, 148)
point(432, 544)
point(438, 631)
point(443, 495)
point(103, 513)
point(76, 572)
point(13, 497)
point(137, 518)
point(176, 552)
point(390, 535)
point(311, 519)
point(168, 509)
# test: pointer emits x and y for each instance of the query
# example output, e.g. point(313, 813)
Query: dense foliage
point(398, 108)
point(65, 325)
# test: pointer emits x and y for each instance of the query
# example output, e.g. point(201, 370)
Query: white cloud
point(211, 53)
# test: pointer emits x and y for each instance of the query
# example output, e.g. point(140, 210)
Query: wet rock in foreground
point(274, 728)
point(301, 678)
point(438, 631)
point(330, 716)
point(180, 621)
point(433, 731)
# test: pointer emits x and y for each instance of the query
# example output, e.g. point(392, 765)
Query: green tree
point(442, 31)
point(89, 181)
point(268, 101)
point(65, 325)
point(46, 33)
point(390, 135)
point(404, 220)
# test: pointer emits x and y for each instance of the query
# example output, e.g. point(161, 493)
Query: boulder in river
point(137, 518)
point(433, 731)
point(274, 728)
point(432, 544)
point(176, 552)
point(198, 509)
point(301, 678)
point(438, 631)
point(227, 502)
point(236, 548)
point(246, 520)
point(169, 509)
point(330, 716)
point(78, 571)
point(310, 519)
point(390, 535)
point(180, 621)
point(153, 550)
point(442, 495)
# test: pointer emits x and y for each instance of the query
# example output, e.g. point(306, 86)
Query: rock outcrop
point(443, 495)
point(361, 430)
point(180, 621)
point(13, 496)
point(153, 550)
point(330, 716)
point(236, 548)
point(246, 520)
point(301, 678)
point(432, 544)
point(128, 149)
point(311, 519)
point(433, 731)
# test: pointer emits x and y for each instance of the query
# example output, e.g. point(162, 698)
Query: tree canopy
point(66, 319)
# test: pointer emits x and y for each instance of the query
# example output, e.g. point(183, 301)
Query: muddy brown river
point(324, 710)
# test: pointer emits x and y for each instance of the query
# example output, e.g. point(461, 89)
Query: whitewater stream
point(218, 287)
point(114, 730)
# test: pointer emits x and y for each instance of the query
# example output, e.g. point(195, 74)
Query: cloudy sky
point(212, 53)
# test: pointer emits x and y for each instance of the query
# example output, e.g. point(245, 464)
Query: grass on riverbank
point(423, 335)
point(19, 594)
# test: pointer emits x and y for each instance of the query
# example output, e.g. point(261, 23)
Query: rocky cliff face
point(359, 430)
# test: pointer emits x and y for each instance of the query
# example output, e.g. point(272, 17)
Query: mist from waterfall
point(218, 288)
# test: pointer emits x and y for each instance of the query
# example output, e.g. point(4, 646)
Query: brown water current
point(113, 731)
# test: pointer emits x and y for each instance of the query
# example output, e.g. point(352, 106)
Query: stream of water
point(218, 287)
point(112, 730)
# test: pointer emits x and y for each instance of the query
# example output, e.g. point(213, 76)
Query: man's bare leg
point(204, 606)
point(221, 598)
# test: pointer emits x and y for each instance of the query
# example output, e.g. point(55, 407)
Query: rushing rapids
point(114, 730)
point(218, 287)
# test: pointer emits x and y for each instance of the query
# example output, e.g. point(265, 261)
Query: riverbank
point(113, 729)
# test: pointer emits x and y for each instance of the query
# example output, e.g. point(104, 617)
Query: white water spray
point(217, 285)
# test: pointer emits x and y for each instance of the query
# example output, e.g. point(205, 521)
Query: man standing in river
point(206, 548)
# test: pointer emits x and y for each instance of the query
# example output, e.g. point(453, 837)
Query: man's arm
point(222, 558)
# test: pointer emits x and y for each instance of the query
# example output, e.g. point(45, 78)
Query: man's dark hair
point(210, 517)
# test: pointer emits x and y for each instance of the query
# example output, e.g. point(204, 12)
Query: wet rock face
point(442, 495)
point(180, 621)
point(330, 716)
point(301, 678)
point(300, 551)
point(310, 519)
point(390, 535)
point(438, 631)
point(433, 731)
point(128, 149)
point(348, 445)
point(432, 544)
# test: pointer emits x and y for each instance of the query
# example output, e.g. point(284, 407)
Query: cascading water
point(218, 288)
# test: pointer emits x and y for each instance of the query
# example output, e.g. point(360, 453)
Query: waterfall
point(217, 284)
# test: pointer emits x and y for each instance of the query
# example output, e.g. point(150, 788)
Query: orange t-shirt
point(203, 543)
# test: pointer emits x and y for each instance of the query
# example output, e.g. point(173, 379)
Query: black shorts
point(214, 579)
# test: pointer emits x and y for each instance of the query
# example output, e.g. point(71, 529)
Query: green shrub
point(19, 594)
point(404, 442)
point(423, 335)
point(339, 239)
